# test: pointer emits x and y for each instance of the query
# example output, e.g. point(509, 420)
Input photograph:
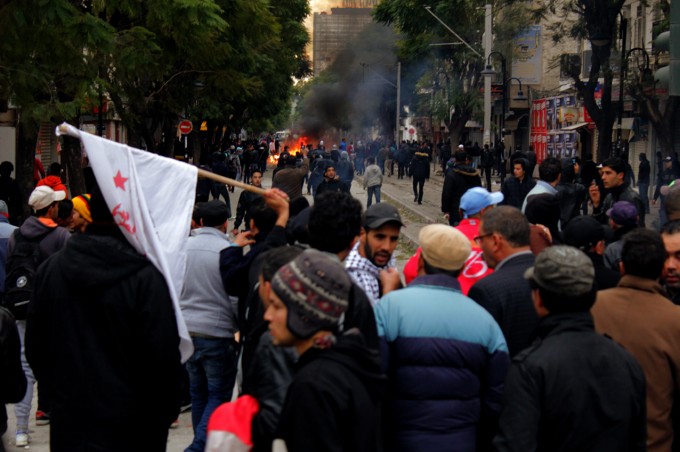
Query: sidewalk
point(400, 193)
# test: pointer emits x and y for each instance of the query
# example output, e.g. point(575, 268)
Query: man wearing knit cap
point(41, 227)
point(572, 389)
point(445, 355)
point(334, 400)
point(81, 213)
point(623, 218)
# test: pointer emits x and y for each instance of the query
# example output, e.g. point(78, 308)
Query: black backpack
point(22, 265)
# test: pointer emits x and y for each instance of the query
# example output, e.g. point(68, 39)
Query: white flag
point(151, 199)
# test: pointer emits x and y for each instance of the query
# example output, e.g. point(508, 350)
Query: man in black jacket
point(644, 172)
point(457, 181)
point(420, 170)
point(516, 188)
point(333, 402)
point(573, 389)
point(245, 201)
point(612, 173)
point(331, 181)
point(504, 240)
point(102, 336)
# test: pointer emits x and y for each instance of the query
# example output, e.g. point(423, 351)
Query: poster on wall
point(550, 145)
point(569, 144)
point(559, 104)
point(559, 145)
point(550, 113)
point(527, 56)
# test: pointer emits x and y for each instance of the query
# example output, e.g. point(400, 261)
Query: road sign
point(185, 127)
point(411, 131)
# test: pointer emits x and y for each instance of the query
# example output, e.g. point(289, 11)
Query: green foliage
point(221, 60)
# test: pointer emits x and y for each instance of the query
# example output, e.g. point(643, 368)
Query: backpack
point(22, 265)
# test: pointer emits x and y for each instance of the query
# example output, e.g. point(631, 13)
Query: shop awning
point(576, 126)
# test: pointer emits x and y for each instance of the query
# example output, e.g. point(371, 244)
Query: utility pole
point(396, 128)
point(488, 44)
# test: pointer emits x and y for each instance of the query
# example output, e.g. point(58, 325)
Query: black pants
point(418, 189)
point(487, 175)
point(221, 189)
point(401, 170)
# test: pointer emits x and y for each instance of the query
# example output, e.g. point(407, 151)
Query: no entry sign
point(185, 127)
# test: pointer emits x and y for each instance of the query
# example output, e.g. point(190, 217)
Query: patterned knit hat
point(315, 289)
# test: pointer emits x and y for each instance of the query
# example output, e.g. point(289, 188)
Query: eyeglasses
point(479, 238)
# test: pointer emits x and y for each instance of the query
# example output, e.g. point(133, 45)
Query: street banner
point(151, 199)
point(527, 56)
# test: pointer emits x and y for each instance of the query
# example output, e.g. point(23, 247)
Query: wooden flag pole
point(227, 180)
point(72, 131)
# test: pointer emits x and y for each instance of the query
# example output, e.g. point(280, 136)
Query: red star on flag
point(119, 181)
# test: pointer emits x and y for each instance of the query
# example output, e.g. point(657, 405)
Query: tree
point(460, 66)
point(227, 61)
point(595, 20)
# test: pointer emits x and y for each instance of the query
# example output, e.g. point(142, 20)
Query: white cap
point(44, 196)
point(460, 146)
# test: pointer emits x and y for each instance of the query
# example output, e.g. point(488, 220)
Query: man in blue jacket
point(444, 355)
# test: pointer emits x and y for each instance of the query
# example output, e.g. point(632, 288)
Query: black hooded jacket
point(102, 335)
point(457, 181)
point(333, 403)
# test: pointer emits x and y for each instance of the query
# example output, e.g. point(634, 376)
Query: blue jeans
point(373, 191)
point(212, 371)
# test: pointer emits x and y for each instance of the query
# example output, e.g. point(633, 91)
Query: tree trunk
point(455, 128)
point(27, 139)
point(73, 161)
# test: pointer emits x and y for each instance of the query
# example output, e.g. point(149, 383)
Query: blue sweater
point(446, 360)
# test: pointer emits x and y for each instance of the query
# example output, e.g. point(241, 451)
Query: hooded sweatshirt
point(52, 237)
point(102, 335)
point(457, 181)
point(334, 400)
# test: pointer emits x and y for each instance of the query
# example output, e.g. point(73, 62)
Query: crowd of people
point(542, 317)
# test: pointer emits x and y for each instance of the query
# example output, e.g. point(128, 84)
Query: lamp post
point(487, 73)
point(646, 78)
point(622, 75)
point(519, 97)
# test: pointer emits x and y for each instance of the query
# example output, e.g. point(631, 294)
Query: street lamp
point(623, 25)
point(489, 72)
point(518, 97)
point(645, 76)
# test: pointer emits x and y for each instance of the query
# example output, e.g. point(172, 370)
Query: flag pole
point(65, 129)
point(227, 180)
